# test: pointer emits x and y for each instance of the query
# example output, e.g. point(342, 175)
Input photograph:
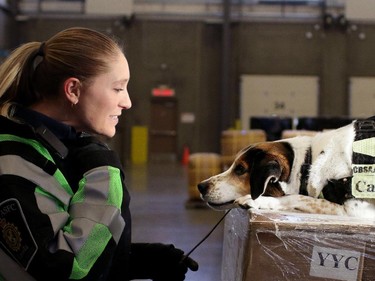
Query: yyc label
point(337, 264)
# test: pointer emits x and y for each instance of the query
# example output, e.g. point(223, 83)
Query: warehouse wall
point(7, 25)
point(187, 55)
point(297, 49)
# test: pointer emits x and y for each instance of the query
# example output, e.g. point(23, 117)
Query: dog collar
point(305, 172)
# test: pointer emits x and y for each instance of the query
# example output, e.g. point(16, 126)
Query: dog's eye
point(240, 170)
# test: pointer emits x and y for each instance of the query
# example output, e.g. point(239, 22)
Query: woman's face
point(103, 99)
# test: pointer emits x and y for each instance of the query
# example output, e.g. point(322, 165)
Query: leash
point(192, 264)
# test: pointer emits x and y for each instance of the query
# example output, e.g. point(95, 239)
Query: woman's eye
point(119, 90)
point(240, 170)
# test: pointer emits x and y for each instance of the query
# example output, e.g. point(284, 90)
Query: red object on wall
point(185, 155)
point(163, 92)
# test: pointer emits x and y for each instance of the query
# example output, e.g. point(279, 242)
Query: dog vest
point(362, 182)
point(363, 160)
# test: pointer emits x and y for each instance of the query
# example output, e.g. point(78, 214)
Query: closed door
point(163, 127)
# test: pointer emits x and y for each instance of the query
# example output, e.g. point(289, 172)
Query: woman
point(64, 208)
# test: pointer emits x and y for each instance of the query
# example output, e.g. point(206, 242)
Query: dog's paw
point(246, 202)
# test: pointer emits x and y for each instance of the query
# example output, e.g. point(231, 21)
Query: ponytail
point(14, 75)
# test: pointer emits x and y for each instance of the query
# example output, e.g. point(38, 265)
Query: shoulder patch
point(15, 235)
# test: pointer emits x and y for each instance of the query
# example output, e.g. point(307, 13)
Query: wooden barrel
point(232, 141)
point(201, 166)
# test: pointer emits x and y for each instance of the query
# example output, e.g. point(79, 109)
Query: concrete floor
point(159, 194)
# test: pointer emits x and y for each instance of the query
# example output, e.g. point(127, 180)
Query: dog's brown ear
point(264, 173)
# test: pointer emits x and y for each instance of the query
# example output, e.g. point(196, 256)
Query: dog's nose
point(202, 187)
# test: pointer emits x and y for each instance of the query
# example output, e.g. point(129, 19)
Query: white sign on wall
point(280, 95)
point(109, 7)
point(361, 10)
point(362, 97)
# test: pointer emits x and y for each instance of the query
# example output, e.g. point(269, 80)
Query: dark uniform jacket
point(63, 202)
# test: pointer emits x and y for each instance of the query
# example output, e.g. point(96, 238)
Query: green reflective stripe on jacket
point(16, 165)
point(43, 151)
point(116, 191)
point(106, 182)
point(101, 187)
point(34, 143)
point(87, 256)
point(98, 200)
point(107, 215)
point(39, 191)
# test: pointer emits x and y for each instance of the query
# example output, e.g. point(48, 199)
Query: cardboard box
point(277, 246)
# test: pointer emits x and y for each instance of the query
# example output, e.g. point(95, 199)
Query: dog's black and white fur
point(271, 175)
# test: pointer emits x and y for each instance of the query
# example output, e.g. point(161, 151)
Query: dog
point(291, 174)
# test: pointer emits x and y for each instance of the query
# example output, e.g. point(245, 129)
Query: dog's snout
point(203, 187)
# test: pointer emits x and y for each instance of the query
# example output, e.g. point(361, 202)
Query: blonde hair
point(36, 70)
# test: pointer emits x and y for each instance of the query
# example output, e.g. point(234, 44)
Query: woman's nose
point(126, 102)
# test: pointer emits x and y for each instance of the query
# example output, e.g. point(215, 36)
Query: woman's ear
point(72, 89)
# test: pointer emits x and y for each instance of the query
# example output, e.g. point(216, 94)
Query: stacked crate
point(201, 166)
point(232, 141)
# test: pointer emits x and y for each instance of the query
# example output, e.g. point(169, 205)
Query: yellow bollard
point(139, 144)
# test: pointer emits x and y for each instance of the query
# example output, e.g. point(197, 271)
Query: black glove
point(159, 262)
